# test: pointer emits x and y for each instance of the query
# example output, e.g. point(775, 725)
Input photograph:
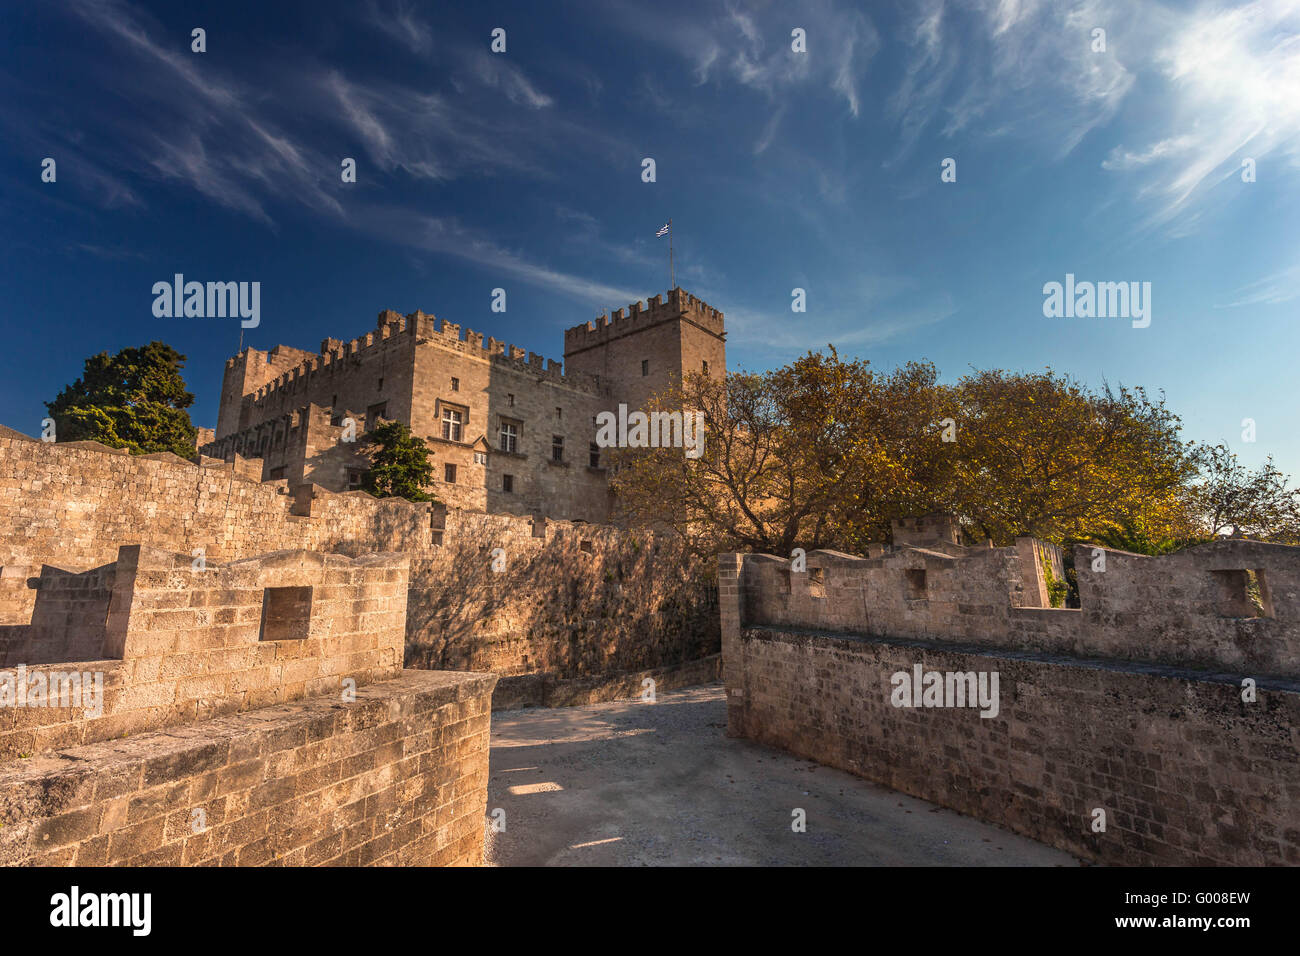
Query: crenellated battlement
point(448, 335)
point(391, 328)
point(639, 316)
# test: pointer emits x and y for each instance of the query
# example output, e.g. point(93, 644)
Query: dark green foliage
point(399, 465)
point(135, 399)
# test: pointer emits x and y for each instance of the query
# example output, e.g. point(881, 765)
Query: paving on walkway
point(659, 784)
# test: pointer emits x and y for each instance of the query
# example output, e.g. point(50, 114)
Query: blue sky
point(522, 170)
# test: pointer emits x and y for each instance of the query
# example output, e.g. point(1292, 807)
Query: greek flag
point(663, 231)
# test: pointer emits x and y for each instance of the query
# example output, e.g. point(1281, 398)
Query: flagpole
point(672, 276)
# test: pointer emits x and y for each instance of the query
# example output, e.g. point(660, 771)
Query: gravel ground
point(639, 784)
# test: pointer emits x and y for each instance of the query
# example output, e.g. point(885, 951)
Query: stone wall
point(243, 714)
point(575, 600)
point(68, 617)
point(1129, 705)
point(187, 644)
point(398, 777)
point(1188, 609)
point(571, 600)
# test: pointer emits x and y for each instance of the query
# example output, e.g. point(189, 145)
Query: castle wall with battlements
point(572, 600)
point(1168, 701)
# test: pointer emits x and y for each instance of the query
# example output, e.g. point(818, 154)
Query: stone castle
point(509, 432)
point(286, 670)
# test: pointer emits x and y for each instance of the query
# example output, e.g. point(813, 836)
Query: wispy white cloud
point(1281, 286)
point(1018, 67)
point(1231, 90)
point(1121, 158)
point(752, 48)
point(448, 236)
point(400, 21)
point(499, 73)
point(769, 131)
point(252, 154)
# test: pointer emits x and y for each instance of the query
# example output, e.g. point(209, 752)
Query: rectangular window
point(510, 400)
point(595, 455)
point(452, 418)
point(1243, 593)
point(508, 483)
point(559, 413)
point(509, 437)
point(480, 458)
point(557, 448)
point(286, 614)
point(449, 474)
point(277, 473)
point(817, 582)
point(354, 479)
point(455, 384)
point(645, 367)
point(706, 368)
point(379, 386)
point(374, 414)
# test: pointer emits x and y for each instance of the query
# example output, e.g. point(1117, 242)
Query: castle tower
point(247, 372)
point(646, 350)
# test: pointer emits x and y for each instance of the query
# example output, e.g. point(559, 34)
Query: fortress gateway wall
point(1169, 702)
point(572, 608)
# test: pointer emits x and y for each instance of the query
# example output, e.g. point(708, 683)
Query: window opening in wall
point(584, 547)
point(559, 413)
point(379, 385)
point(706, 367)
point(817, 582)
point(480, 458)
point(1243, 593)
point(915, 578)
point(354, 479)
point(455, 384)
point(595, 455)
point(645, 367)
point(508, 484)
point(510, 400)
point(449, 473)
point(286, 614)
point(557, 448)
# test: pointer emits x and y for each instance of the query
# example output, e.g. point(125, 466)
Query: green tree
point(824, 452)
point(399, 465)
point(135, 399)
point(1037, 453)
point(820, 453)
point(1257, 503)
